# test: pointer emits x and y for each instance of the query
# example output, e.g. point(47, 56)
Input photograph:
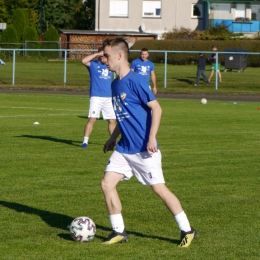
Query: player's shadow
point(57, 140)
point(188, 81)
point(86, 117)
point(53, 139)
point(61, 221)
point(50, 82)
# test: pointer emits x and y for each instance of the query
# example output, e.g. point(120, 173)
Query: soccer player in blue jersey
point(100, 93)
point(138, 115)
point(145, 67)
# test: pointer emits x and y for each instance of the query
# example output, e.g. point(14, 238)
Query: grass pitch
point(179, 79)
point(210, 161)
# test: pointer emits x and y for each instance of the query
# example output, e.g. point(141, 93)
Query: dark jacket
point(201, 63)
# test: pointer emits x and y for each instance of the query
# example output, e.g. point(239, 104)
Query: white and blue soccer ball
point(203, 101)
point(82, 229)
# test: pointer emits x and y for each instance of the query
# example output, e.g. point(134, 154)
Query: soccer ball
point(82, 229)
point(203, 101)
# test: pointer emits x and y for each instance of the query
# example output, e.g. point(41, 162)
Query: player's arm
point(153, 78)
point(132, 67)
point(86, 60)
point(110, 144)
point(156, 118)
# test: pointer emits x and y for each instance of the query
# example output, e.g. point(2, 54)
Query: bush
point(194, 45)
point(218, 32)
point(9, 35)
point(30, 34)
point(51, 34)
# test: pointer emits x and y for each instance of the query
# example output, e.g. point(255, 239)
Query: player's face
point(103, 59)
point(144, 55)
point(111, 57)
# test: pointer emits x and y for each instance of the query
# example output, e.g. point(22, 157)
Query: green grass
point(180, 79)
point(210, 161)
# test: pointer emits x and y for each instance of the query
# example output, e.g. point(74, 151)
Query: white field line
point(43, 108)
point(39, 116)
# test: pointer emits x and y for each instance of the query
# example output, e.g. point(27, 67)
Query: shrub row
point(195, 45)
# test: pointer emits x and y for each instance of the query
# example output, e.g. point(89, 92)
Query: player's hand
point(100, 54)
point(154, 91)
point(109, 146)
point(152, 146)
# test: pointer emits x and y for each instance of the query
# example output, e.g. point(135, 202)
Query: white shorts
point(146, 168)
point(101, 104)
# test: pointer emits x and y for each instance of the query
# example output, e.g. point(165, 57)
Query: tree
point(3, 12)
point(30, 34)
point(9, 35)
point(85, 16)
point(19, 22)
point(51, 34)
point(29, 5)
point(68, 14)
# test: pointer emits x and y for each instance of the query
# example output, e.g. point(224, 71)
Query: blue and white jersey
point(130, 96)
point(100, 79)
point(143, 68)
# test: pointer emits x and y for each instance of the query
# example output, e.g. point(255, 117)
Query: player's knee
point(158, 189)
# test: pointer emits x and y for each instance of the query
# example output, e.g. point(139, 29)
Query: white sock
point(183, 222)
point(117, 222)
point(85, 141)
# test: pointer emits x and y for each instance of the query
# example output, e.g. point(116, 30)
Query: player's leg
point(204, 76)
point(88, 129)
point(174, 206)
point(93, 114)
point(147, 169)
point(109, 114)
point(219, 76)
point(111, 125)
point(113, 175)
point(197, 78)
point(211, 75)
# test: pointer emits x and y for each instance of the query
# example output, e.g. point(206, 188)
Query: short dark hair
point(144, 49)
point(121, 43)
point(100, 49)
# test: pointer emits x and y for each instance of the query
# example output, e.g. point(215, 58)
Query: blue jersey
point(143, 68)
point(100, 80)
point(130, 96)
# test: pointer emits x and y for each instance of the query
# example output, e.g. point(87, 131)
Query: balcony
point(238, 26)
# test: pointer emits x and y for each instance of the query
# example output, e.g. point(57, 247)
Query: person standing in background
point(201, 70)
point(214, 66)
point(145, 67)
point(100, 93)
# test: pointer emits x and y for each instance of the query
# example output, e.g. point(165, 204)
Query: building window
point(220, 11)
point(241, 10)
point(152, 8)
point(196, 11)
point(118, 8)
point(255, 12)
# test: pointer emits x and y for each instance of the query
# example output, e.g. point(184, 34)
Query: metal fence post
point(165, 68)
point(65, 67)
point(216, 76)
point(13, 73)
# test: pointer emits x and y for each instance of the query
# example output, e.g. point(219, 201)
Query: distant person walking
point(214, 66)
point(201, 70)
point(100, 93)
point(145, 67)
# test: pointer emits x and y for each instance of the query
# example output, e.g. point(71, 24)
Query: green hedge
point(194, 45)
